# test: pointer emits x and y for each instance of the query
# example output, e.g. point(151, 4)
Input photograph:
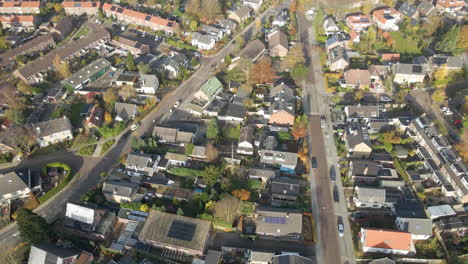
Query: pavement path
point(88, 169)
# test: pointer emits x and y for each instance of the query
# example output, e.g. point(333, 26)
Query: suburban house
point(88, 74)
point(92, 223)
point(365, 197)
point(53, 131)
point(440, 211)
point(278, 222)
point(203, 41)
point(18, 22)
point(206, 94)
point(254, 4)
point(277, 153)
point(330, 26)
point(357, 143)
point(408, 10)
point(265, 175)
point(131, 16)
point(46, 253)
point(172, 135)
point(234, 112)
point(245, 144)
point(356, 78)
point(450, 63)
point(214, 32)
point(358, 22)
point(135, 47)
point(363, 170)
point(453, 225)
point(79, 8)
point(140, 164)
point(125, 112)
point(388, 59)
point(356, 113)
point(94, 117)
point(281, 19)
point(32, 179)
point(451, 6)
point(31, 72)
point(282, 107)
point(179, 233)
point(20, 7)
point(122, 192)
point(409, 73)
point(387, 18)
point(278, 44)
point(227, 25)
point(240, 15)
point(284, 190)
point(176, 159)
point(171, 192)
point(420, 228)
point(142, 83)
point(338, 59)
point(32, 46)
point(387, 242)
point(290, 258)
point(426, 8)
point(173, 63)
point(12, 187)
point(254, 50)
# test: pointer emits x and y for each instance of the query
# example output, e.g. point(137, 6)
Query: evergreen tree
point(212, 130)
point(449, 41)
point(33, 228)
point(131, 62)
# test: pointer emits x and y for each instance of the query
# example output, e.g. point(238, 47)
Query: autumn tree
point(242, 194)
point(262, 72)
point(62, 68)
point(439, 95)
point(366, 7)
point(211, 152)
point(127, 92)
point(299, 72)
point(449, 40)
point(193, 7)
point(299, 129)
point(462, 147)
point(210, 9)
point(108, 118)
point(24, 87)
point(227, 208)
point(295, 56)
point(358, 95)
point(109, 96)
point(463, 39)
point(193, 25)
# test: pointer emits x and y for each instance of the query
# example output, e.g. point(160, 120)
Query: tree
point(193, 25)
point(449, 41)
point(439, 95)
point(295, 56)
point(193, 7)
point(108, 118)
point(358, 95)
point(366, 7)
point(109, 96)
point(24, 87)
point(211, 175)
point(16, 115)
point(144, 208)
point(144, 68)
point(227, 208)
point(210, 9)
point(228, 59)
point(62, 68)
point(33, 228)
point(242, 194)
point(127, 92)
point(299, 129)
point(4, 44)
point(180, 211)
point(299, 72)
point(211, 152)
point(262, 72)
point(462, 147)
point(2, 30)
point(212, 130)
point(130, 62)
point(463, 38)
point(441, 73)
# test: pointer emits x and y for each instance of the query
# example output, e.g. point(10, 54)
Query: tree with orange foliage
point(299, 129)
point(108, 118)
point(293, 6)
point(242, 194)
point(462, 148)
point(262, 72)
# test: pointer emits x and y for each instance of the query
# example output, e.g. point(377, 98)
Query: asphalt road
point(88, 170)
point(330, 248)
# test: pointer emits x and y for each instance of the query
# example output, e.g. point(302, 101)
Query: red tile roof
point(22, 4)
point(16, 18)
point(379, 15)
point(141, 16)
point(82, 4)
point(353, 35)
point(390, 56)
point(378, 238)
point(451, 3)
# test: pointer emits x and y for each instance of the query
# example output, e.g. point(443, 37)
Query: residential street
point(323, 149)
point(88, 170)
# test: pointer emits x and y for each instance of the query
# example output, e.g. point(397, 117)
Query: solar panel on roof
point(77, 4)
point(137, 218)
point(113, 8)
point(169, 24)
point(275, 220)
point(136, 212)
point(119, 10)
point(94, 4)
point(148, 18)
point(417, 68)
point(182, 230)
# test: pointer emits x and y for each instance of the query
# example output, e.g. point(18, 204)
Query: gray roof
point(337, 53)
point(172, 135)
point(362, 111)
point(213, 257)
point(124, 189)
point(262, 173)
point(234, 109)
point(277, 38)
point(291, 259)
point(370, 195)
point(281, 89)
point(440, 211)
point(329, 22)
point(210, 30)
point(452, 222)
point(407, 9)
point(285, 186)
point(243, 12)
point(355, 137)
point(87, 71)
point(50, 254)
point(53, 126)
point(148, 80)
point(409, 209)
point(138, 159)
point(427, 8)
point(449, 61)
point(227, 23)
point(417, 226)
point(253, 49)
point(10, 183)
point(201, 38)
point(364, 168)
point(125, 111)
point(292, 226)
point(158, 225)
point(260, 256)
point(247, 134)
point(407, 68)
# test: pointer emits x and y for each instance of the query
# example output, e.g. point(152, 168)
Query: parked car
point(322, 121)
point(332, 173)
point(177, 104)
point(313, 162)
point(446, 111)
point(357, 215)
point(135, 126)
point(385, 98)
point(340, 226)
point(336, 194)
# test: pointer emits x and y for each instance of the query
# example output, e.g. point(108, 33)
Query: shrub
point(107, 145)
point(112, 131)
point(87, 151)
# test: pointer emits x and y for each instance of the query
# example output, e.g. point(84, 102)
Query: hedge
point(61, 185)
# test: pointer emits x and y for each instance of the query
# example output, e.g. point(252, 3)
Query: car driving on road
point(313, 162)
point(332, 173)
point(340, 226)
point(135, 126)
point(336, 194)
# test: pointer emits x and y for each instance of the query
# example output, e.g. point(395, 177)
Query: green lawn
point(405, 45)
point(61, 185)
point(247, 208)
point(87, 151)
point(83, 31)
point(107, 145)
point(231, 132)
point(46, 150)
point(75, 118)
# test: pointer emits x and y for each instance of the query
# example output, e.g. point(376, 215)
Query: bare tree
point(126, 92)
point(212, 153)
point(227, 208)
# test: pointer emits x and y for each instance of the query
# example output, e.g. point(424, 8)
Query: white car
point(177, 104)
point(446, 110)
point(385, 98)
point(340, 226)
point(135, 126)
